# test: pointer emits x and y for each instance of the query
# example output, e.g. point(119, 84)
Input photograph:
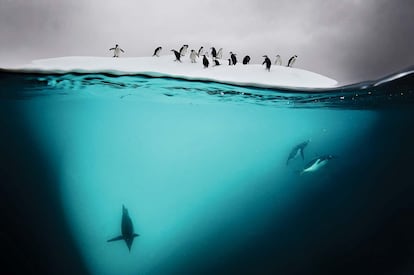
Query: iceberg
point(252, 75)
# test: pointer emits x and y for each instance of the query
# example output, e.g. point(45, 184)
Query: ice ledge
point(253, 75)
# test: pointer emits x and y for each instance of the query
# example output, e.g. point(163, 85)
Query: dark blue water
point(202, 169)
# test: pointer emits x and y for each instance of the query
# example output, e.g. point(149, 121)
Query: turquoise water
point(202, 169)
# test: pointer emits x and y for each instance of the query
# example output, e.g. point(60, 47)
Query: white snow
point(245, 75)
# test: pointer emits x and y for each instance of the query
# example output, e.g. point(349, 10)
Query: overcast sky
point(349, 40)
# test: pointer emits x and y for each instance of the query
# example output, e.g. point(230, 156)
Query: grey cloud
point(348, 40)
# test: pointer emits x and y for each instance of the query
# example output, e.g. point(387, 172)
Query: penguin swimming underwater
point(157, 52)
point(278, 60)
point(117, 50)
point(193, 56)
point(246, 60)
point(316, 164)
point(127, 229)
point(177, 55)
point(205, 61)
point(233, 58)
point(183, 49)
point(297, 150)
point(292, 61)
point(267, 62)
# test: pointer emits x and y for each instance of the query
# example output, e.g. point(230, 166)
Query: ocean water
point(202, 169)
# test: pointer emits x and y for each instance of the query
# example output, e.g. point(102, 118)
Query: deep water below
point(202, 169)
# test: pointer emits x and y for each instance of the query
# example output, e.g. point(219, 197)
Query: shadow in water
point(34, 236)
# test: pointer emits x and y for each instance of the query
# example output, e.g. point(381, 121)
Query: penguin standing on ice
point(193, 56)
point(213, 52)
point(233, 58)
point(292, 61)
point(229, 60)
point(246, 60)
point(267, 62)
point(216, 62)
point(278, 60)
point(205, 61)
point(177, 55)
point(183, 49)
point(220, 53)
point(117, 50)
point(200, 51)
point(157, 52)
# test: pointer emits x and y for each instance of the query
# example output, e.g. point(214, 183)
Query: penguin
point(233, 58)
point(183, 50)
point(292, 61)
point(127, 229)
point(205, 61)
point(157, 52)
point(216, 62)
point(316, 164)
point(278, 60)
point(267, 62)
point(220, 53)
point(193, 56)
point(229, 60)
point(246, 60)
point(213, 52)
point(297, 150)
point(177, 55)
point(200, 51)
point(117, 50)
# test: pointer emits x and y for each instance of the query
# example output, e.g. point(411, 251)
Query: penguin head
point(265, 56)
point(277, 55)
point(116, 45)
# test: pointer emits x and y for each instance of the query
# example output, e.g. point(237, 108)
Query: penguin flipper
point(119, 238)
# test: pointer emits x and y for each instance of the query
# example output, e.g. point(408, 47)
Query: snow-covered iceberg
point(253, 75)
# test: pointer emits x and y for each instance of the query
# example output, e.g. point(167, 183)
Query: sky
point(348, 40)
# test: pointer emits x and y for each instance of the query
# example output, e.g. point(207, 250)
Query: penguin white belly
point(316, 166)
point(117, 51)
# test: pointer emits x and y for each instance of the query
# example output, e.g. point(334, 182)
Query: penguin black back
point(233, 58)
point(156, 51)
point(246, 60)
point(268, 62)
point(205, 61)
point(213, 52)
point(177, 55)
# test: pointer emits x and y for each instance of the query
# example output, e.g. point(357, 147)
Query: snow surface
point(253, 75)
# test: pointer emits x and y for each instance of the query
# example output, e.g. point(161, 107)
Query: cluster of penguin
point(313, 165)
point(217, 55)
